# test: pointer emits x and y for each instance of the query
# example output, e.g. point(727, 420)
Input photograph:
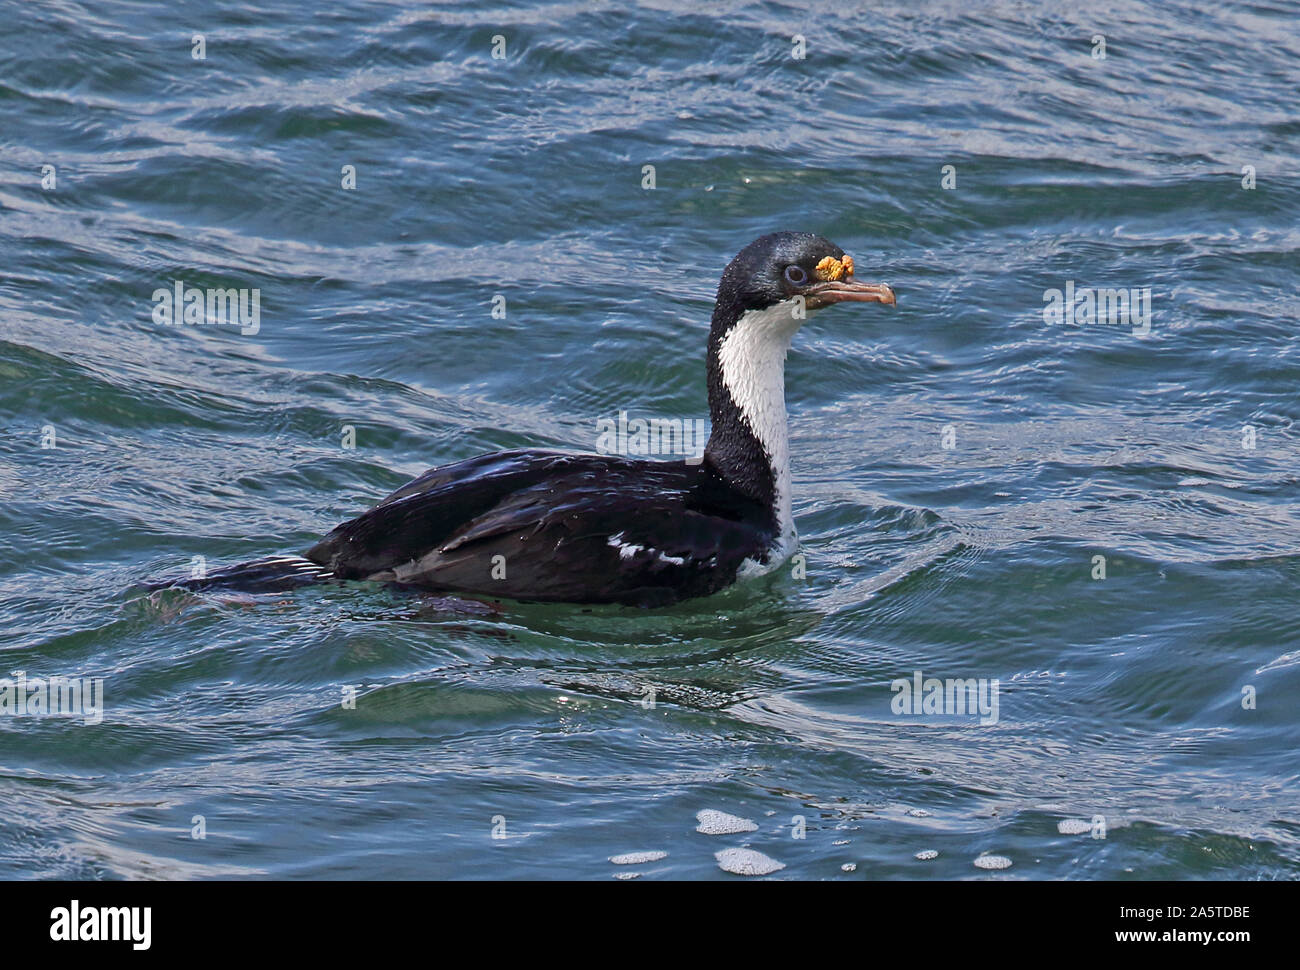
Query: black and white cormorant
point(579, 528)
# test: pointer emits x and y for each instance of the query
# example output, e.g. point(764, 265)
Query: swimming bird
point(585, 528)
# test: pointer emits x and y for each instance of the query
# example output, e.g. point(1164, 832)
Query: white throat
point(752, 359)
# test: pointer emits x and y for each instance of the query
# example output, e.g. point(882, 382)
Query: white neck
point(752, 359)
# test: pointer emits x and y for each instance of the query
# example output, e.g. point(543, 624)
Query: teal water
point(1161, 698)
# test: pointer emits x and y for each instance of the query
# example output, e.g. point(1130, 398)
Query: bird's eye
point(795, 274)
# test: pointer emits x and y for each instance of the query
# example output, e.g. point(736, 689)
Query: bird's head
point(785, 275)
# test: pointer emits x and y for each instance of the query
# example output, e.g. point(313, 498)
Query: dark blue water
point(960, 461)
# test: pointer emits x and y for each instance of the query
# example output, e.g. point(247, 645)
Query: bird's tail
point(277, 574)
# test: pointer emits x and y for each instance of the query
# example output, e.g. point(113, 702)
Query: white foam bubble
point(918, 813)
point(713, 822)
point(747, 862)
point(925, 855)
point(637, 858)
point(993, 862)
point(850, 867)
